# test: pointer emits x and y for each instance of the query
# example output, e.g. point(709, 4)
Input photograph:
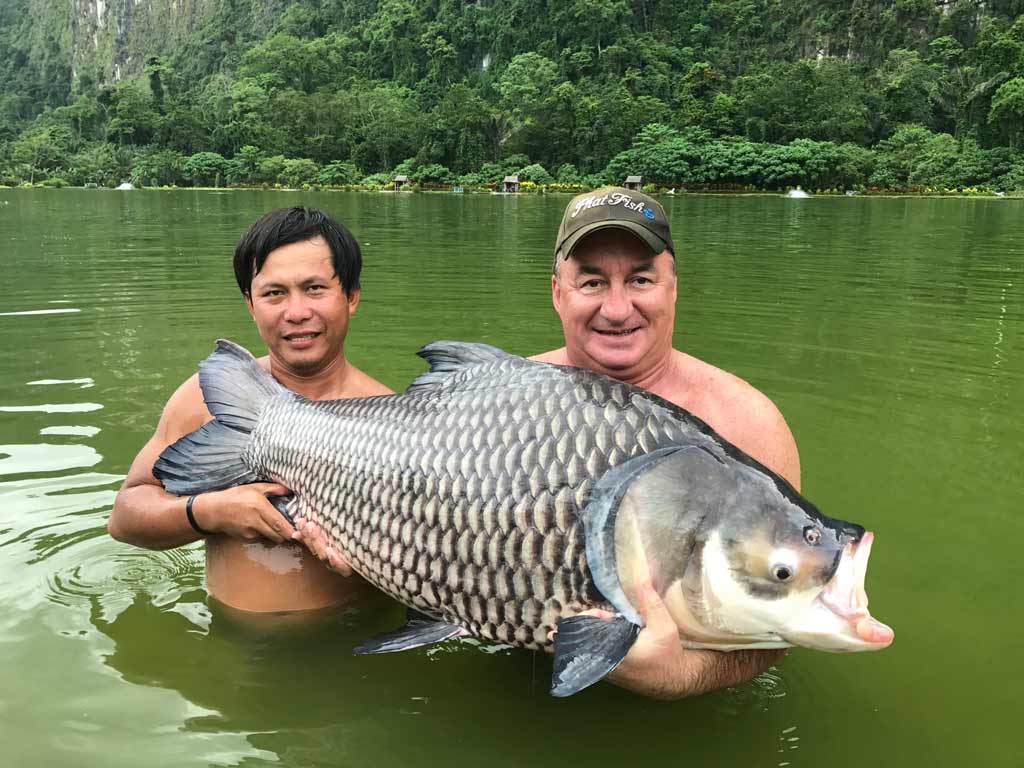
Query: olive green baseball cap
point(614, 208)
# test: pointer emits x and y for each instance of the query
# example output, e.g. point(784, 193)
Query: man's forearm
point(148, 516)
point(695, 673)
point(731, 668)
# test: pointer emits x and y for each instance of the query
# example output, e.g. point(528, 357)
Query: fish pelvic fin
point(449, 357)
point(588, 648)
point(235, 389)
point(418, 630)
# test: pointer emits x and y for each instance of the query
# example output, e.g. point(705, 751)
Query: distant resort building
point(510, 184)
point(399, 182)
point(633, 182)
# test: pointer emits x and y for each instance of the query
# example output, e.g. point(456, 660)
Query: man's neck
point(327, 383)
point(656, 375)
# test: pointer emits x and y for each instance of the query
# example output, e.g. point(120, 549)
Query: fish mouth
point(845, 598)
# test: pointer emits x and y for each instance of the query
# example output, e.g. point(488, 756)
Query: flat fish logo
point(613, 199)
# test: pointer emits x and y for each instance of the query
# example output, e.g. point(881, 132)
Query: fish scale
point(474, 486)
point(502, 497)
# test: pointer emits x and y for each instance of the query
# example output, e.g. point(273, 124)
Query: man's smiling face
point(299, 307)
point(617, 302)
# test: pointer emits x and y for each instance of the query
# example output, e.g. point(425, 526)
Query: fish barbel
point(501, 497)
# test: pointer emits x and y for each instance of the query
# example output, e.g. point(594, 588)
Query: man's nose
point(617, 306)
point(298, 309)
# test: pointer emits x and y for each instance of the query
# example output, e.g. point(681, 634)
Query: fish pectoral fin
point(588, 648)
point(416, 632)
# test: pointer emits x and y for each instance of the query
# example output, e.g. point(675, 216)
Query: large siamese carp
point(500, 497)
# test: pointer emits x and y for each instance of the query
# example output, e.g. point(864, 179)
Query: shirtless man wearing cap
point(614, 289)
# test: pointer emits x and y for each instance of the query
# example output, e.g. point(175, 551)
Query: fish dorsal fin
point(449, 357)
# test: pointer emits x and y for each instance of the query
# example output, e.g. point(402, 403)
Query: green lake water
point(889, 332)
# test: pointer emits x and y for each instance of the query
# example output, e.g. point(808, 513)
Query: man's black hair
point(294, 225)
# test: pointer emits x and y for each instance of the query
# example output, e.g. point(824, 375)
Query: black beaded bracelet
point(192, 518)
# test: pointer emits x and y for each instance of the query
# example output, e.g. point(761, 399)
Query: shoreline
point(889, 194)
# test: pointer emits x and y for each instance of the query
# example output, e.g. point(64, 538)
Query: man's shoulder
point(737, 411)
point(708, 389)
point(364, 385)
point(185, 410)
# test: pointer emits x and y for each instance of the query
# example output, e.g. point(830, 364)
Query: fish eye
point(782, 572)
point(812, 535)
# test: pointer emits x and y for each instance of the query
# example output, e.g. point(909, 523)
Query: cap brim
point(655, 243)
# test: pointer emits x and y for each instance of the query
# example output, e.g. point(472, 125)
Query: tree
point(897, 156)
point(524, 87)
point(205, 169)
point(535, 173)
point(106, 165)
point(338, 174)
point(460, 130)
point(41, 149)
point(272, 168)
point(134, 118)
point(433, 173)
point(660, 154)
point(568, 174)
point(909, 89)
point(1007, 112)
point(158, 167)
point(244, 167)
point(299, 172)
point(386, 124)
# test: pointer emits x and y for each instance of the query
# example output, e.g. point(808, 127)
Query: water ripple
point(108, 579)
point(40, 312)
point(84, 382)
point(52, 408)
point(46, 457)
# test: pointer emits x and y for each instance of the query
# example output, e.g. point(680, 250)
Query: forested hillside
point(768, 93)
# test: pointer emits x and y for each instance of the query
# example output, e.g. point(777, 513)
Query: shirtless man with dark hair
point(298, 270)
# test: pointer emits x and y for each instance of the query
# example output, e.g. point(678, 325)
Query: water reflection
point(84, 383)
point(52, 408)
point(45, 457)
point(70, 430)
point(39, 312)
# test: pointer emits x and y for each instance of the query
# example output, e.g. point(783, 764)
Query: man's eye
point(591, 285)
point(639, 280)
point(317, 288)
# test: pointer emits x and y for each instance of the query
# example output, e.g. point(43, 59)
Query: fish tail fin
point(235, 389)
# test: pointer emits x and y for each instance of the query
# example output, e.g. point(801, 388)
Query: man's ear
point(248, 305)
point(353, 301)
point(556, 293)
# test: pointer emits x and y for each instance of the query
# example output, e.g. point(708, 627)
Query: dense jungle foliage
point(762, 93)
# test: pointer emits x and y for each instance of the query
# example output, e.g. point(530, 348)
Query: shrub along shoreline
point(914, 160)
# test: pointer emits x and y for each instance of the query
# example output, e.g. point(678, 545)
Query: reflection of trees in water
point(300, 693)
point(259, 673)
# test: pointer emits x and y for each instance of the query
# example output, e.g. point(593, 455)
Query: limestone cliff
point(112, 38)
